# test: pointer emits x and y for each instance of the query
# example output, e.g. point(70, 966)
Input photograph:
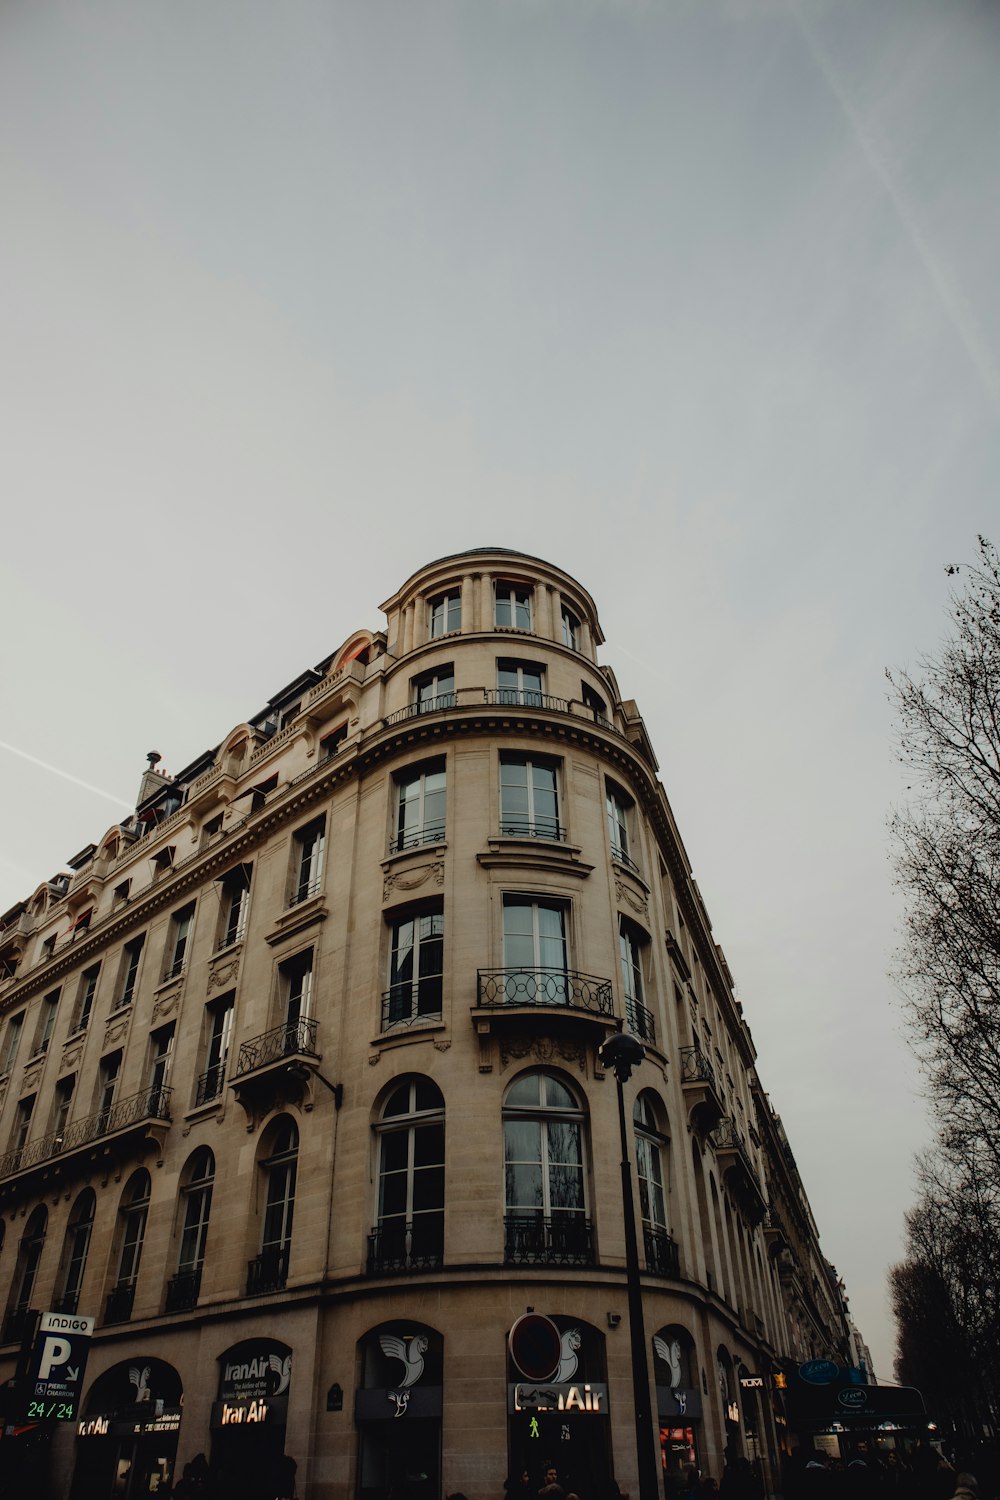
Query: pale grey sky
point(696, 298)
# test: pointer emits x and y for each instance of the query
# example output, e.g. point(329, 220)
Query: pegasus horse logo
point(412, 1359)
point(283, 1369)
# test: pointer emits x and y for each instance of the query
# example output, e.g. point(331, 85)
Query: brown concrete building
point(301, 1101)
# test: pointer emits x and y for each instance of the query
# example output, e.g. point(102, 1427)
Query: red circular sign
point(535, 1346)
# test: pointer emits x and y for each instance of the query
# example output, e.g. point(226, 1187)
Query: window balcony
point(19, 1322)
point(662, 1257)
point(640, 1021)
point(532, 828)
point(562, 1240)
point(704, 1102)
point(145, 1114)
point(268, 1271)
point(558, 989)
point(182, 1291)
point(293, 1039)
point(67, 1304)
point(410, 1003)
point(118, 1308)
point(210, 1084)
point(396, 1249)
point(270, 1064)
point(736, 1166)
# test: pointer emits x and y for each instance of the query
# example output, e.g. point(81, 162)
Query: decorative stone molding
point(166, 1004)
point(117, 1029)
point(224, 972)
point(441, 1045)
point(545, 1049)
point(72, 1053)
point(635, 899)
point(413, 878)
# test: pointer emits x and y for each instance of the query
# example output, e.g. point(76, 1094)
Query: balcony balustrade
point(662, 1257)
point(293, 1039)
point(118, 1308)
point(562, 989)
point(151, 1103)
point(737, 1166)
point(182, 1291)
point(640, 1021)
point(268, 1271)
point(705, 1104)
point(397, 1248)
point(18, 1322)
point(560, 1240)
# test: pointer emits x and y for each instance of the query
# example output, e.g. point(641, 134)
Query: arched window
point(410, 1231)
point(196, 1204)
point(269, 1271)
point(545, 1204)
point(29, 1253)
point(651, 1145)
point(132, 1231)
point(75, 1248)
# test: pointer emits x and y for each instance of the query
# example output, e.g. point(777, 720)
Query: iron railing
point(726, 1137)
point(414, 1000)
point(416, 1246)
point(564, 988)
point(17, 1323)
point(695, 1067)
point(525, 698)
point(410, 838)
point(561, 1240)
point(640, 1021)
point(282, 1041)
point(151, 1103)
point(182, 1291)
point(662, 1257)
point(532, 828)
point(118, 1308)
point(441, 703)
point(67, 1303)
point(210, 1084)
point(621, 858)
point(268, 1271)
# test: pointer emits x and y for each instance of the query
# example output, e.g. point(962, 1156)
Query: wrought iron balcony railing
point(67, 1303)
point(621, 858)
point(562, 988)
point(398, 1248)
point(414, 1000)
point(662, 1256)
point(210, 1084)
point(532, 828)
point(695, 1067)
point(640, 1021)
point(441, 703)
point(182, 1291)
point(268, 1271)
point(431, 832)
point(18, 1322)
point(282, 1041)
point(525, 698)
point(151, 1103)
point(561, 1240)
point(118, 1308)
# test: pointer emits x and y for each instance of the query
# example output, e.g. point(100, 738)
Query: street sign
point(535, 1346)
point(55, 1374)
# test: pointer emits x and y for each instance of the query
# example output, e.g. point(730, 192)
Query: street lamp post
point(621, 1053)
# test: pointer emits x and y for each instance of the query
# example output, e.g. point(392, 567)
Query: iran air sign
point(55, 1374)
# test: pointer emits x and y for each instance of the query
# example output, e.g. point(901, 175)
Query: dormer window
point(513, 606)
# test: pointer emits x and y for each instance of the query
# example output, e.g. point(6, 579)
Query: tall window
point(620, 813)
point(296, 978)
point(10, 1041)
point(420, 805)
point(269, 1271)
point(650, 1162)
point(61, 1106)
point(631, 943)
point(545, 1192)
point(529, 800)
point(235, 888)
point(308, 873)
point(534, 950)
point(513, 606)
point(410, 1231)
point(23, 1285)
point(75, 1248)
point(434, 690)
point(180, 932)
point(132, 1217)
point(416, 966)
point(570, 629)
point(330, 744)
point(520, 682)
point(161, 1047)
point(129, 971)
point(219, 1027)
point(85, 998)
point(445, 613)
point(22, 1123)
point(196, 1201)
point(107, 1084)
point(46, 1023)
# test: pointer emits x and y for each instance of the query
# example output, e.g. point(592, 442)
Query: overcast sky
point(696, 298)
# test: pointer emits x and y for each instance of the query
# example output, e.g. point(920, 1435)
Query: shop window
point(529, 798)
point(307, 860)
point(29, 1253)
point(401, 1370)
point(420, 805)
point(131, 1232)
point(75, 1251)
point(197, 1181)
point(679, 1403)
point(409, 1235)
point(545, 1197)
point(235, 891)
point(416, 965)
point(268, 1272)
point(571, 1448)
point(445, 613)
point(218, 1036)
point(513, 606)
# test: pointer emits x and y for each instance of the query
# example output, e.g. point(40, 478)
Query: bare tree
point(948, 863)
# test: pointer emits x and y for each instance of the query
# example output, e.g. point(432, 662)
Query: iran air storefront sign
point(55, 1374)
